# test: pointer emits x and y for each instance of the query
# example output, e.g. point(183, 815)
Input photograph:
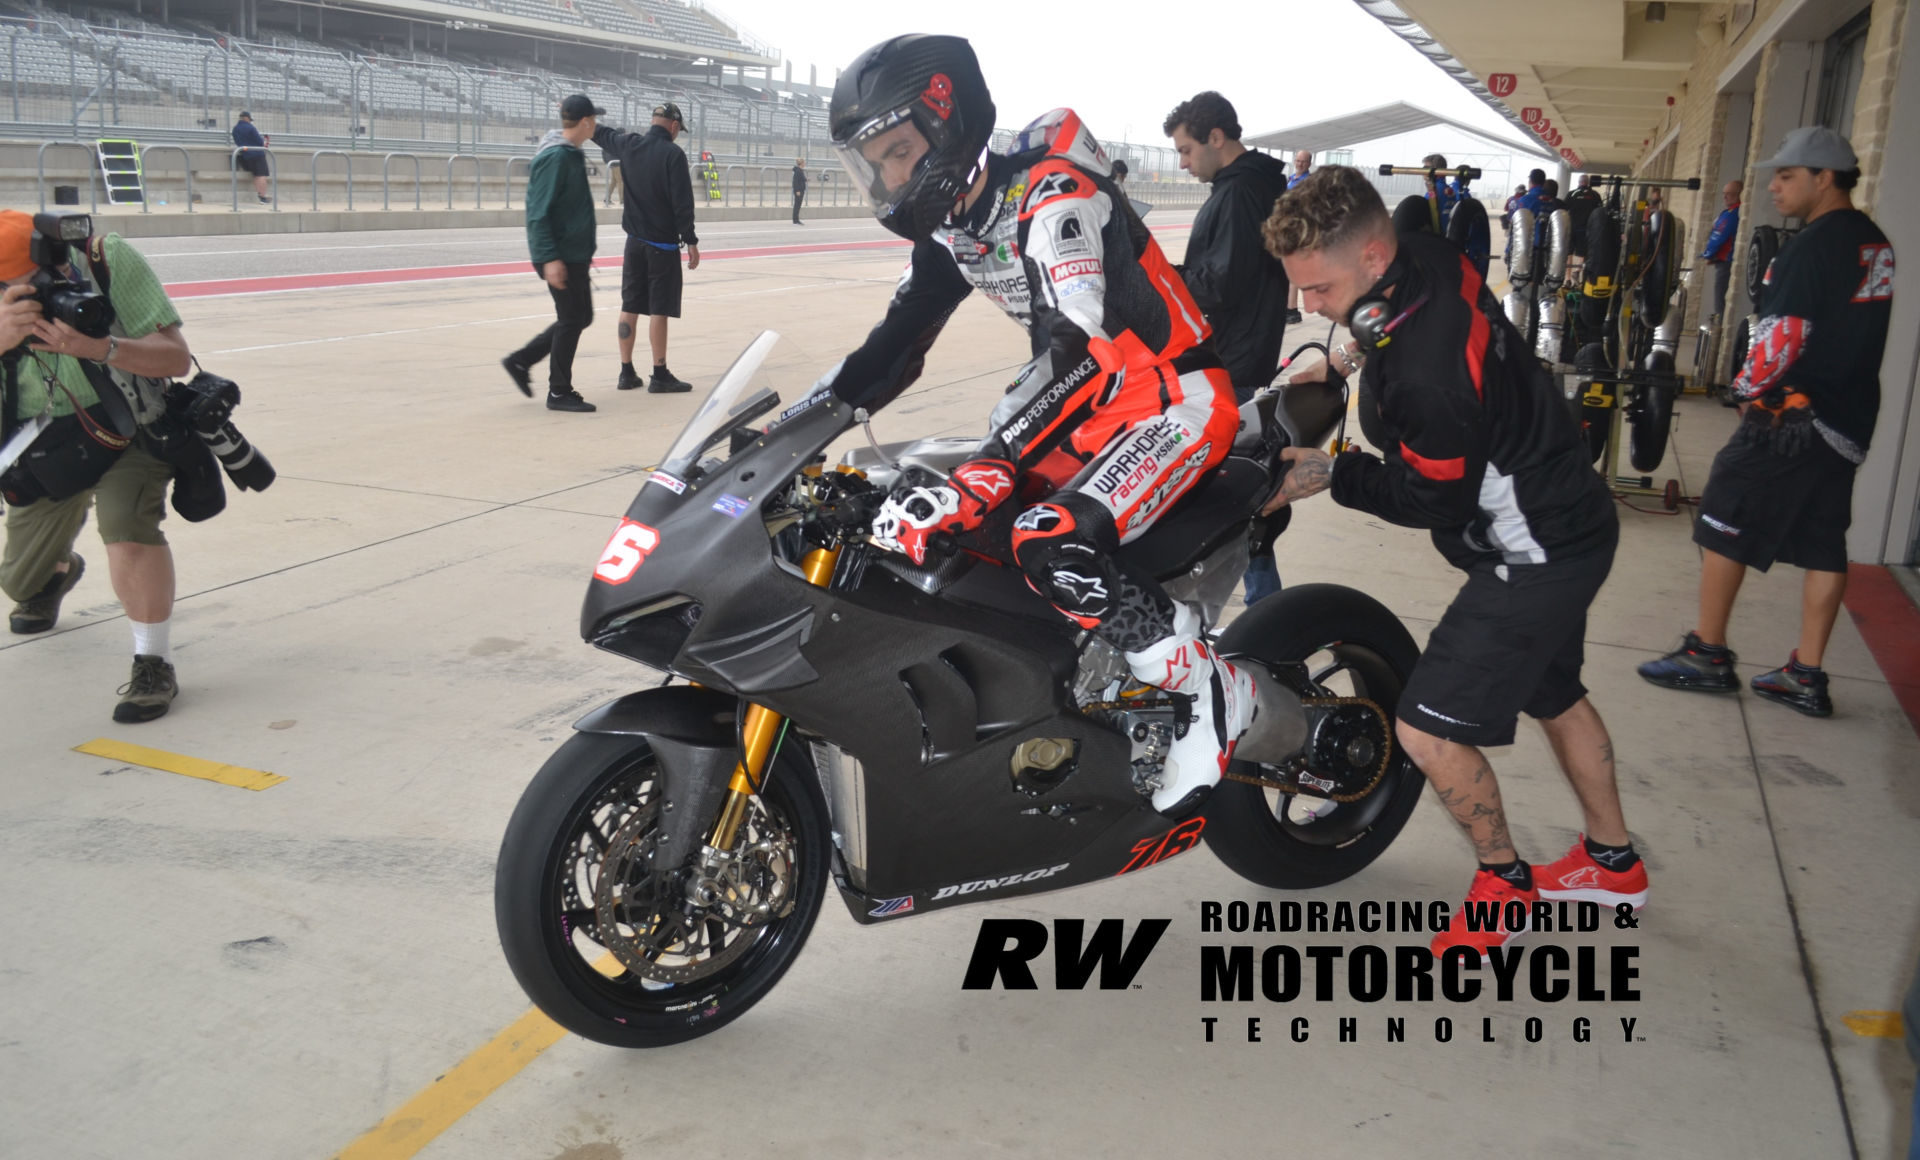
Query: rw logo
point(1005, 946)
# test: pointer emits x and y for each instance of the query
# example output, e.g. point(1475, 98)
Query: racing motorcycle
point(922, 736)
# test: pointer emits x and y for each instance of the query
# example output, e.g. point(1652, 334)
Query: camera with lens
point(61, 298)
point(204, 404)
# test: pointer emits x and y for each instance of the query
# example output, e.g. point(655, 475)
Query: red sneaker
point(1579, 878)
point(1488, 897)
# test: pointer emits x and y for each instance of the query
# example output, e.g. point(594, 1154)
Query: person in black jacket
point(1477, 446)
point(658, 219)
point(799, 187)
point(1240, 287)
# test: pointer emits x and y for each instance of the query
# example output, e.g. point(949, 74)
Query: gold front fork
point(760, 729)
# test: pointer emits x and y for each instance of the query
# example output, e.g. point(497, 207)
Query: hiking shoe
point(148, 694)
point(663, 383)
point(629, 381)
point(570, 401)
point(1487, 901)
point(521, 374)
point(1701, 667)
point(1579, 877)
point(37, 613)
point(1793, 684)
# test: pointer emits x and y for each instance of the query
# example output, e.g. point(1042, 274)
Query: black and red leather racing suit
point(1122, 410)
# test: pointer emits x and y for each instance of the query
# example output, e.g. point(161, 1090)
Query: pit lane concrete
point(193, 970)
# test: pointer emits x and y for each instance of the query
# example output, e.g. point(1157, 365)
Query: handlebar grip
point(943, 543)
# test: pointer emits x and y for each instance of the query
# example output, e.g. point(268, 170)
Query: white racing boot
point(1222, 702)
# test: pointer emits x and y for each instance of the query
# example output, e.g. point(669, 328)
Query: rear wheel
point(621, 950)
point(1351, 646)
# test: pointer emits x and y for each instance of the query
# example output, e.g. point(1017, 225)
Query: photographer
point(45, 378)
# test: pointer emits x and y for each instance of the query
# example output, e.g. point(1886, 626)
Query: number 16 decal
point(626, 551)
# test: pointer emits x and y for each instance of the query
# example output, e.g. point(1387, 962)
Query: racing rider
point(1477, 447)
point(1121, 410)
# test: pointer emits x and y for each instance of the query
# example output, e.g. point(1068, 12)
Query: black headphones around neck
point(1372, 319)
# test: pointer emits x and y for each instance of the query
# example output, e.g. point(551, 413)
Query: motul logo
point(1005, 946)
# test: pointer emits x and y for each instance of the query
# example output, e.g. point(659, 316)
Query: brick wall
point(1874, 104)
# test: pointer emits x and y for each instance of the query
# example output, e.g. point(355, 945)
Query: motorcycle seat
point(1215, 511)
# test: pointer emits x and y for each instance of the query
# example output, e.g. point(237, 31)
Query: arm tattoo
point(1311, 474)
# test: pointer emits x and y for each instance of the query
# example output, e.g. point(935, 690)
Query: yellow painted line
point(1874, 1024)
point(416, 1123)
point(234, 775)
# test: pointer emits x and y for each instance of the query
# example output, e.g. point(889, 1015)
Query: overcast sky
point(1123, 65)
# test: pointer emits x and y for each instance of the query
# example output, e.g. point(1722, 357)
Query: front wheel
point(622, 950)
point(1350, 646)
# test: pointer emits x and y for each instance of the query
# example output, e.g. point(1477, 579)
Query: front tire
point(1352, 646)
point(595, 803)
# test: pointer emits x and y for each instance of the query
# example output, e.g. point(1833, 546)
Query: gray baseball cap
point(1815, 147)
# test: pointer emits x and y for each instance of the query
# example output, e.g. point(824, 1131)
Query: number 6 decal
point(626, 551)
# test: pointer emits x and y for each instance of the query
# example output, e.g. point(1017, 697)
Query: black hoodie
point(1241, 288)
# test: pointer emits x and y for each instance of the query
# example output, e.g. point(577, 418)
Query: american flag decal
point(888, 907)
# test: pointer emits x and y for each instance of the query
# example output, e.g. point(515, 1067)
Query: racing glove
point(923, 506)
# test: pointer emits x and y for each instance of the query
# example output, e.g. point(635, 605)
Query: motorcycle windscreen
point(740, 396)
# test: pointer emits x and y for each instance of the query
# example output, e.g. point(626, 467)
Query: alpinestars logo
point(1053, 185)
point(985, 480)
point(1581, 878)
point(1080, 591)
point(1038, 518)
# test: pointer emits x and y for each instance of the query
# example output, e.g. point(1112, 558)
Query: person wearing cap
point(45, 372)
point(658, 219)
point(561, 230)
point(1782, 487)
point(252, 156)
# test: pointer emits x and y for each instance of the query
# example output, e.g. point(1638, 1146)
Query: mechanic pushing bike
point(1123, 408)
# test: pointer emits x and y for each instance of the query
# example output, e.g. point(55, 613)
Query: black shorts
point(1512, 641)
point(254, 163)
point(650, 280)
point(1761, 506)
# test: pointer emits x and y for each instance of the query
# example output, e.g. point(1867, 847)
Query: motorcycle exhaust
point(1520, 268)
point(1279, 728)
point(1666, 339)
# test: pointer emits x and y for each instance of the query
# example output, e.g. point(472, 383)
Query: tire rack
point(1619, 316)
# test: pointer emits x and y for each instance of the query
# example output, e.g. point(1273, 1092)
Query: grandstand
point(398, 76)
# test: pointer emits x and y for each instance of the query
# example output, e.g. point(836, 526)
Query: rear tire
point(1353, 641)
point(1649, 420)
point(578, 804)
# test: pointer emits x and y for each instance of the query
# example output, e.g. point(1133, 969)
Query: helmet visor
point(884, 157)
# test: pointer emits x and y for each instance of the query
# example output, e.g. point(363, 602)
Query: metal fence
point(68, 80)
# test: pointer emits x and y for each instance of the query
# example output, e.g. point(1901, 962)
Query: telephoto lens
point(243, 462)
point(206, 402)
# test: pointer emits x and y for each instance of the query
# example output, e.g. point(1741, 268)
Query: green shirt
point(141, 307)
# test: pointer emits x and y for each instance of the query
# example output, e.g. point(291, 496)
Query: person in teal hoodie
point(560, 239)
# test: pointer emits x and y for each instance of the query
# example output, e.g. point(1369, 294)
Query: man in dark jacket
point(252, 156)
point(799, 187)
point(1240, 287)
point(658, 219)
point(1478, 447)
point(560, 240)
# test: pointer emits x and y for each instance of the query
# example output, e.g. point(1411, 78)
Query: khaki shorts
point(131, 499)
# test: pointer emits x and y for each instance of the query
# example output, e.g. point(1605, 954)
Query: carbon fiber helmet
point(933, 85)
